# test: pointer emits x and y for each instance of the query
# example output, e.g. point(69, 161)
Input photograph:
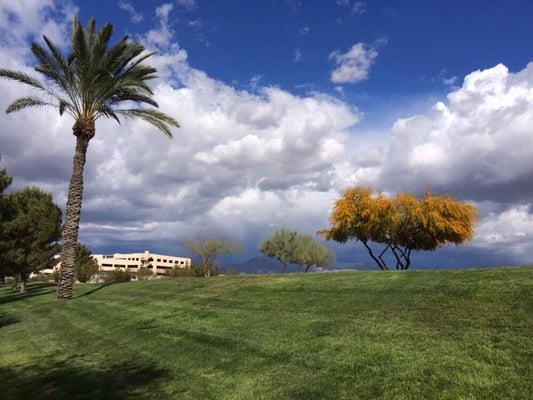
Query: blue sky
point(285, 103)
point(427, 45)
point(236, 40)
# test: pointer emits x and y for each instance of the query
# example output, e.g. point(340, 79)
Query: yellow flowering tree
point(401, 224)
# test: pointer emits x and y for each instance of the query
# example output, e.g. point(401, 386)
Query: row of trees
point(400, 224)
point(285, 245)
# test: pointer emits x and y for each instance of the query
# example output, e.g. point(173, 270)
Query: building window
point(158, 260)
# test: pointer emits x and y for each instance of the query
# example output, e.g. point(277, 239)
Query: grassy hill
point(436, 334)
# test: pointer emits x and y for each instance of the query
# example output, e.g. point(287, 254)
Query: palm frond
point(127, 95)
point(48, 65)
point(102, 41)
point(160, 120)
point(109, 112)
point(82, 62)
point(123, 56)
point(141, 59)
point(108, 61)
point(139, 72)
point(80, 49)
point(24, 78)
point(58, 57)
point(95, 78)
point(91, 33)
point(25, 102)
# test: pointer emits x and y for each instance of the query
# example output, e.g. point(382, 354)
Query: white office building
point(159, 264)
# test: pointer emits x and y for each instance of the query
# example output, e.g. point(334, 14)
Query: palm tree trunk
point(83, 133)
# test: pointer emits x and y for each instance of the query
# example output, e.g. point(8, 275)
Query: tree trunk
point(23, 285)
point(407, 258)
point(15, 282)
point(405, 254)
point(381, 255)
point(399, 264)
point(84, 132)
point(380, 264)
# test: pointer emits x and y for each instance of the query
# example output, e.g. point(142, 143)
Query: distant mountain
point(260, 265)
point(267, 265)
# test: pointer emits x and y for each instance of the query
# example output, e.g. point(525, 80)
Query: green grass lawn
point(408, 335)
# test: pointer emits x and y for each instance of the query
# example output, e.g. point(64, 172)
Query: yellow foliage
point(402, 223)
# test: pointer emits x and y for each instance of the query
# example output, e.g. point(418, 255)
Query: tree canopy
point(309, 252)
point(208, 249)
point(291, 247)
point(401, 224)
point(281, 246)
point(5, 181)
point(31, 232)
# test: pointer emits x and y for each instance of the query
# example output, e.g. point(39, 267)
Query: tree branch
point(380, 264)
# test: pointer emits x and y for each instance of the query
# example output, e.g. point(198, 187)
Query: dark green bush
point(144, 273)
point(117, 275)
point(84, 271)
point(194, 270)
point(204, 271)
point(85, 266)
point(177, 272)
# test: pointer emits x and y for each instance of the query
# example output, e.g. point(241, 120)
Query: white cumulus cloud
point(354, 65)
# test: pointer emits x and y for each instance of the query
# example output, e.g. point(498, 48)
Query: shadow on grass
point(70, 380)
point(32, 290)
point(99, 287)
point(6, 319)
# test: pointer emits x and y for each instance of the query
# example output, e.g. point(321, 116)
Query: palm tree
point(93, 82)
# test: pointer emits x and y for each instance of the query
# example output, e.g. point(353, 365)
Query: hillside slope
point(435, 334)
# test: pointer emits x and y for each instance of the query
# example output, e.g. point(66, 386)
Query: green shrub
point(144, 273)
point(85, 266)
point(204, 271)
point(117, 275)
point(177, 272)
